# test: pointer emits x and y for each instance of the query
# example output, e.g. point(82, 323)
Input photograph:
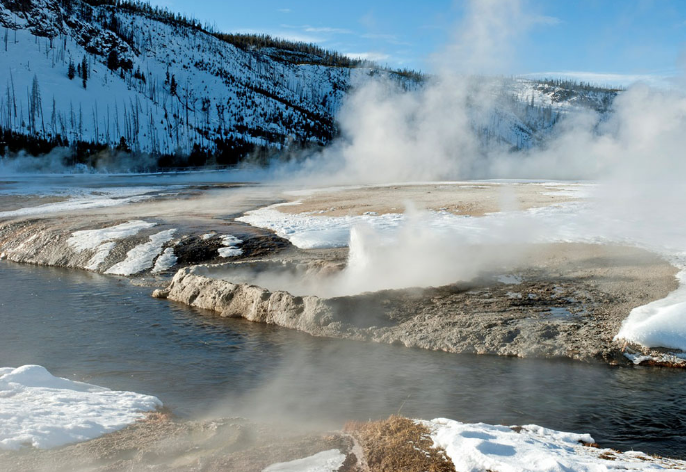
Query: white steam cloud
point(389, 134)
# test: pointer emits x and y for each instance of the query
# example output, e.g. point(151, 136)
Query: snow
point(165, 262)
point(43, 411)
point(230, 240)
point(101, 253)
point(230, 251)
point(327, 461)
point(104, 240)
point(231, 248)
point(142, 257)
point(260, 93)
point(92, 238)
point(674, 359)
point(316, 232)
point(660, 323)
point(479, 447)
point(84, 200)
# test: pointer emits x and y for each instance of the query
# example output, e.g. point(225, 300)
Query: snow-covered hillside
point(160, 86)
point(175, 86)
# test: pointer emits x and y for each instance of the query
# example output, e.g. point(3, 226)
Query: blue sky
point(624, 37)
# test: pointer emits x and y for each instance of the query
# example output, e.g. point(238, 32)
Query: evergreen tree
point(173, 85)
point(35, 105)
point(71, 70)
point(84, 71)
point(113, 60)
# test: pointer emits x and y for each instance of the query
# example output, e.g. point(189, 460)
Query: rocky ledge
point(546, 313)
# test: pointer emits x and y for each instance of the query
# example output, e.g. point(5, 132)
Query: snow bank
point(327, 461)
point(660, 323)
point(479, 447)
point(142, 257)
point(43, 411)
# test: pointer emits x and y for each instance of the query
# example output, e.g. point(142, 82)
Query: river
point(109, 332)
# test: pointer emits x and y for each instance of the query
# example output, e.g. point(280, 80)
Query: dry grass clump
point(399, 445)
point(160, 415)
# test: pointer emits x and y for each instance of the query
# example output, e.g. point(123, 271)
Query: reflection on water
point(105, 331)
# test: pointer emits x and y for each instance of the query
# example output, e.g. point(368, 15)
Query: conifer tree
point(113, 60)
point(84, 71)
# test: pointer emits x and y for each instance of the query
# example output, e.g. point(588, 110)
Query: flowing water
point(106, 331)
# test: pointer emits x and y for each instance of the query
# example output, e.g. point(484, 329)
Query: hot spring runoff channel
point(105, 331)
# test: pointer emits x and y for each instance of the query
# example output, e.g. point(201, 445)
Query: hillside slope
point(156, 84)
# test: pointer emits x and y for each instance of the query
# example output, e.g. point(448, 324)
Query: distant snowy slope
point(218, 92)
point(157, 84)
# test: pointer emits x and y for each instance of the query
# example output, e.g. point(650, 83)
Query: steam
point(391, 134)
point(61, 160)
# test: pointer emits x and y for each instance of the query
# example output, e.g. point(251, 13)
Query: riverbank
point(166, 444)
point(568, 300)
point(508, 291)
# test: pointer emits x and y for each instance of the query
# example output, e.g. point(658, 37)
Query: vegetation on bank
point(399, 443)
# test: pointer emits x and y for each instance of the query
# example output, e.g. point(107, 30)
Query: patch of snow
point(315, 232)
point(207, 236)
point(230, 240)
point(142, 256)
point(478, 447)
point(92, 238)
point(166, 261)
point(675, 359)
point(101, 253)
point(231, 248)
point(660, 323)
point(230, 251)
point(93, 198)
point(43, 411)
point(327, 461)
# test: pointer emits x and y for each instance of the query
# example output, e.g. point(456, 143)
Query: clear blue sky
point(627, 37)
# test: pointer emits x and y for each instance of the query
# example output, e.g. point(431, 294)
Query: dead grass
point(162, 414)
point(399, 445)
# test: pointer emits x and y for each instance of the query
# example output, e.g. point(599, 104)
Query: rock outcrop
point(543, 316)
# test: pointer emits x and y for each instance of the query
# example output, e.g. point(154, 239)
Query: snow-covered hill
point(161, 86)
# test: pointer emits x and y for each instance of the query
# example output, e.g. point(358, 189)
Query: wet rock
point(160, 293)
point(46, 242)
